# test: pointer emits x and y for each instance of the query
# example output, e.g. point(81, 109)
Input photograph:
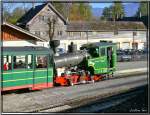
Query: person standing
point(6, 66)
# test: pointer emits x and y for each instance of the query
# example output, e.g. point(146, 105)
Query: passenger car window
point(19, 62)
point(7, 63)
point(41, 61)
point(29, 62)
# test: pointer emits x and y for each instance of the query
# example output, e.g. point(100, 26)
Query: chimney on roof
point(67, 19)
point(33, 5)
point(140, 14)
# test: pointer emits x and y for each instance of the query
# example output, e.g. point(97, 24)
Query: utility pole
point(133, 44)
point(87, 36)
point(33, 4)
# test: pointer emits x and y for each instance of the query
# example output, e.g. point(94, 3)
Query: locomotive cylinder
point(70, 59)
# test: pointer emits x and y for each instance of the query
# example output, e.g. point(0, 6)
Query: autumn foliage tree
point(11, 13)
point(80, 11)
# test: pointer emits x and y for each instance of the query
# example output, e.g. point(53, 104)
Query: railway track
point(79, 102)
point(75, 102)
point(100, 105)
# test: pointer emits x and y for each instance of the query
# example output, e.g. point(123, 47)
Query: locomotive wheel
point(91, 70)
point(107, 77)
point(70, 83)
point(93, 81)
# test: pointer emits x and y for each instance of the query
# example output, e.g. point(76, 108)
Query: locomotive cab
point(103, 57)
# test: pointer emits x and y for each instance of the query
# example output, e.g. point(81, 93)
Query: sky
point(100, 5)
point(94, 5)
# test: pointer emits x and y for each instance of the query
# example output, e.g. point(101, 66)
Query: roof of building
point(23, 31)
point(143, 19)
point(104, 26)
point(34, 11)
point(27, 49)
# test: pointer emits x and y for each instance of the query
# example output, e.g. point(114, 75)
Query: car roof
point(26, 50)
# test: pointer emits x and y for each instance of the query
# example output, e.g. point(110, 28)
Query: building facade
point(127, 34)
point(37, 20)
point(124, 40)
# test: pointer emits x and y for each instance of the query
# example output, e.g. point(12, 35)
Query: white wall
point(122, 37)
point(19, 43)
point(124, 43)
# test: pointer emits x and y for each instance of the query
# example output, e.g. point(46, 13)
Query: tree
point(16, 14)
point(6, 11)
point(13, 16)
point(106, 13)
point(115, 11)
point(61, 7)
point(52, 21)
point(74, 14)
point(142, 10)
point(88, 13)
point(6, 15)
point(118, 10)
point(80, 11)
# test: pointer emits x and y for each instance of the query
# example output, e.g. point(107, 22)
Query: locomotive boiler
point(70, 59)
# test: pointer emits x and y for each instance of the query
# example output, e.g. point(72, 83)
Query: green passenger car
point(103, 57)
point(26, 67)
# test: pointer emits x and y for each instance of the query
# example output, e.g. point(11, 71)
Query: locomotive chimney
point(72, 48)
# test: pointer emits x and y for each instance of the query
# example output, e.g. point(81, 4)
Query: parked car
point(122, 56)
point(60, 50)
point(126, 57)
point(145, 51)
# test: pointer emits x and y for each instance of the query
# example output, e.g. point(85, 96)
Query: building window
point(47, 32)
point(135, 45)
point(69, 34)
point(43, 33)
point(37, 33)
point(59, 33)
point(41, 18)
point(116, 32)
point(80, 34)
point(118, 45)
